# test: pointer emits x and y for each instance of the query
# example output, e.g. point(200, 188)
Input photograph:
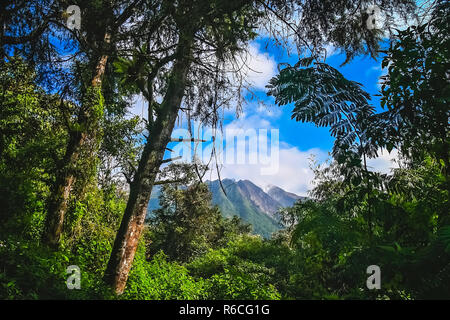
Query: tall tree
point(323, 96)
point(204, 44)
point(102, 27)
point(416, 90)
point(201, 26)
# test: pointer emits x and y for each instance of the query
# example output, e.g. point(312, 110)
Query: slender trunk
point(127, 238)
point(66, 176)
point(369, 200)
point(60, 195)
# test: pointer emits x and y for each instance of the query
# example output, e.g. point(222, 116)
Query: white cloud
point(138, 107)
point(268, 110)
point(330, 50)
point(246, 121)
point(260, 67)
point(382, 72)
point(376, 69)
point(385, 162)
point(293, 172)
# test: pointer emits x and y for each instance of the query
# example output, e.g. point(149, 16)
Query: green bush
point(229, 275)
point(161, 280)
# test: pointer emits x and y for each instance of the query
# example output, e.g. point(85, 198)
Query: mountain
point(248, 201)
point(286, 199)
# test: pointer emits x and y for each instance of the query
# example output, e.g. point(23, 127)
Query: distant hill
point(284, 198)
point(248, 201)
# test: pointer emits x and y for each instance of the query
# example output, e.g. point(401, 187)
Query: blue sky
point(364, 70)
point(298, 141)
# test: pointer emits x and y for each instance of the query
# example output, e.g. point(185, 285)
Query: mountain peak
point(286, 199)
point(267, 187)
point(255, 205)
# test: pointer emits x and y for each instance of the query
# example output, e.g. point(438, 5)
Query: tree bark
point(132, 224)
point(61, 191)
point(66, 176)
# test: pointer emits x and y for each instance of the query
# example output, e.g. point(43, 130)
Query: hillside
point(248, 201)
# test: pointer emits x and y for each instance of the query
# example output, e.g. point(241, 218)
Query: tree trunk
point(66, 176)
point(127, 238)
point(61, 191)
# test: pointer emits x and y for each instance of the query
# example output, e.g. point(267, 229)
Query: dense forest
point(77, 173)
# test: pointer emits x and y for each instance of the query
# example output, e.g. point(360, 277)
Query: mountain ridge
point(248, 201)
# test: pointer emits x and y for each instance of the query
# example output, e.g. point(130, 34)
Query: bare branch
point(171, 159)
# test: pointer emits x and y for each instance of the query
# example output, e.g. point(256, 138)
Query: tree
point(416, 92)
point(72, 63)
point(323, 96)
point(100, 37)
point(221, 29)
point(187, 225)
point(342, 24)
point(32, 136)
point(200, 45)
point(408, 210)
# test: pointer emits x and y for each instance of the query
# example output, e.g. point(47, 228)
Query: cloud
point(260, 67)
point(138, 107)
point(268, 110)
point(382, 72)
point(292, 172)
point(331, 50)
point(385, 162)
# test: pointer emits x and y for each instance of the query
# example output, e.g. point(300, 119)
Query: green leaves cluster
point(323, 96)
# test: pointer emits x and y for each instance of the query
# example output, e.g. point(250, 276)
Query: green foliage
point(407, 240)
point(416, 90)
point(323, 96)
point(354, 218)
point(161, 280)
point(31, 139)
point(187, 225)
point(229, 274)
point(31, 271)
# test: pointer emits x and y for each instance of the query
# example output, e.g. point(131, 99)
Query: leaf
point(387, 248)
point(324, 97)
point(390, 147)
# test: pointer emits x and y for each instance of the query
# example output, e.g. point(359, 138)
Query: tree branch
point(171, 159)
point(168, 181)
